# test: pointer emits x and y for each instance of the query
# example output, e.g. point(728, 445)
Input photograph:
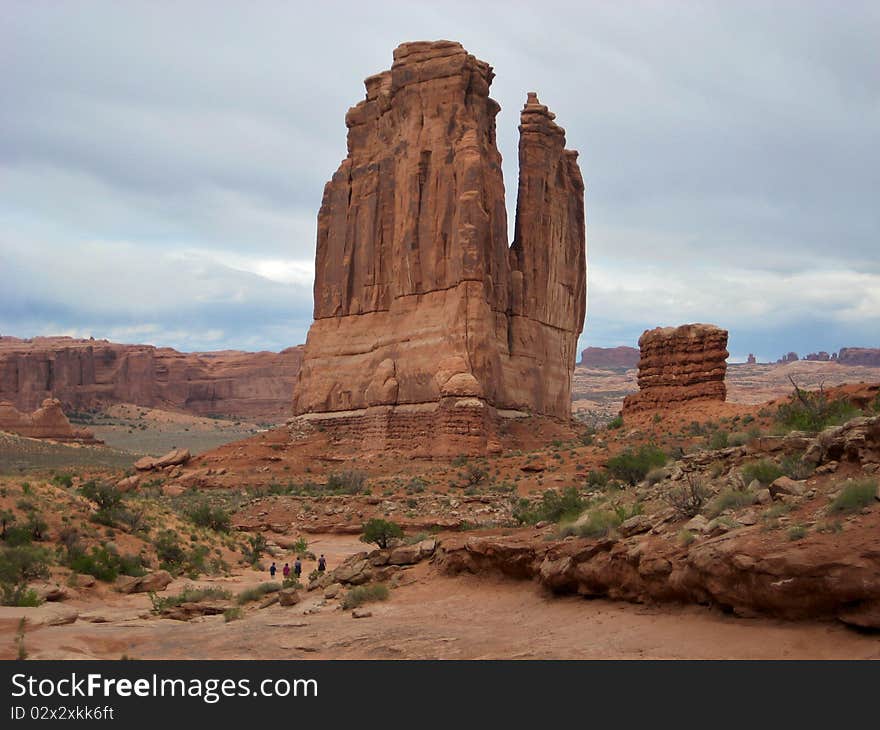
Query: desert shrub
point(812, 411)
point(797, 532)
point(475, 475)
point(632, 465)
point(586, 438)
point(212, 517)
point(656, 475)
point(301, 546)
point(249, 595)
point(686, 537)
point(106, 496)
point(616, 422)
point(553, 507)
point(738, 438)
point(232, 614)
point(19, 566)
point(104, 563)
point(764, 470)
point(688, 499)
point(63, 480)
point(381, 532)
point(597, 479)
point(795, 467)
point(730, 499)
point(169, 551)
point(18, 535)
point(347, 482)
point(189, 594)
point(854, 496)
point(7, 519)
point(599, 523)
point(255, 548)
point(719, 440)
point(360, 595)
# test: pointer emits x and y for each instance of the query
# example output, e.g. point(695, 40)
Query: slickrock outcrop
point(869, 356)
point(610, 358)
point(47, 422)
point(680, 365)
point(85, 374)
point(426, 323)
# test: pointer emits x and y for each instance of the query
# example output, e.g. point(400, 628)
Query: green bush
point(719, 440)
point(171, 555)
point(105, 564)
point(632, 465)
point(212, 517)
point(813, 411)
point(616, 422)
point(554, 507)
point(795, 467)
point(597, 479)
point(764, 470)
point(360, 595)
point(63, 480)
point(255, 548)
point(18, 567)
point(256, 593)
point(381, 532)
point(797, 532)
point(854, 496)
point(688, 499)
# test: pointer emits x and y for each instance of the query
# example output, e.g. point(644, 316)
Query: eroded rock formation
point(47, 422)
point(85, 374)
point(610, 358)
point(680, 365)
point(869, 356)
point(426, 323)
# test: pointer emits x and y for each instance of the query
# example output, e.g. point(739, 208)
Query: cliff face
point(680, 365)
point(419, 302)
point(47, 422)
point(84, 374)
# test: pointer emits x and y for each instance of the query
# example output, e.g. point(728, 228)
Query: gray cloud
point(161, 166)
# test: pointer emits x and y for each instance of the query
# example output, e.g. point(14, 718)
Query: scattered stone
point(288, 597)
point(635, 525)
point(151, 582)
point(697, 524)
point(361, 613)
point(786, 485)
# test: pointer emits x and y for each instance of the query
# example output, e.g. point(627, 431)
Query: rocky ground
point(754, 540)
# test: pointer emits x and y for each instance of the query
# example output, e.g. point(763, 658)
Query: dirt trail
point(436, 617)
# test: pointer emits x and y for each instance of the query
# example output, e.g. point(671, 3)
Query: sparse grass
point(256, 593)
point(719, 440)
point(813, 411)
point(795, 467)
point(232, 614)
point(360, 595)
point(854, 496)
point(729, 499)
point(797, 532)
point(686, 537)
point(764, 470)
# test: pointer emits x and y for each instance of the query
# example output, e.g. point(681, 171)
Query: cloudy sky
point(161, 164)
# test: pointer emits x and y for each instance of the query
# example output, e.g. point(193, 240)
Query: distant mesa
point(680, 365)
point(428, 327)
point(47, 422)
point(789, 357)
point(88, 374)
point(610, 358)
point(869, 356)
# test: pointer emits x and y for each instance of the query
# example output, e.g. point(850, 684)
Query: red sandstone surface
point(47, 422)
point(426, 323)
point(88, 374)
point(679, 365)
point(609, 358)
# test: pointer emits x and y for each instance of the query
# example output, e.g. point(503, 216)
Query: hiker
point(322, 563)
point(297, 568)
point(285, 571)
point(272, 569)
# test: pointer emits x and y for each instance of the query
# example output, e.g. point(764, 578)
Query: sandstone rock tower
point(679, 365)
point(426, 323)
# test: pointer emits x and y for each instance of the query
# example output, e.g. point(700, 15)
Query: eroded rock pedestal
point(47, 422)
point(427, 325)
point(679, 365)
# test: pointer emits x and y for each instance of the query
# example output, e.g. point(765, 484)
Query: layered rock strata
point(47, 422)
point(679, 365)
point(88, 374)
point(426, 323)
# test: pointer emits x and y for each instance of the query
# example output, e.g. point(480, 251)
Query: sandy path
point(458, 618)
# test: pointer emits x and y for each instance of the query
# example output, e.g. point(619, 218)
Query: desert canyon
point(475, 492)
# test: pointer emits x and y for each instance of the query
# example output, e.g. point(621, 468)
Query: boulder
point(151, 582)
point(361, 613)
point(788, 486)
point(288, 597)
point(635, 525)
